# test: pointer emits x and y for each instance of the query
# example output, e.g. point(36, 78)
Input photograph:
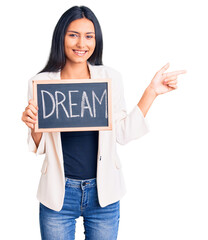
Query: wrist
point(35, 135)
point(151, 91)
point(147, 99)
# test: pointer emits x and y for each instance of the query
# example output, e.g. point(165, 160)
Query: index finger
point(175, 73)
point(32, 102)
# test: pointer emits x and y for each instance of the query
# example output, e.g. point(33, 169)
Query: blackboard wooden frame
point(71, 81)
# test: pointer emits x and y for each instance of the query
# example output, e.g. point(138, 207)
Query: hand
point(29, 116)
point(165, 82)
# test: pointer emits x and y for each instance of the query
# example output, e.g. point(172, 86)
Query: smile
point(80, 53)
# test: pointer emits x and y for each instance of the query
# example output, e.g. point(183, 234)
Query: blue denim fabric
point(80, 200)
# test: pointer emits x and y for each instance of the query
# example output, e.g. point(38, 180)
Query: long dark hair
point(57, 57)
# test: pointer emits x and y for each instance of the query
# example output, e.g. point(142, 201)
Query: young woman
point(81, 173)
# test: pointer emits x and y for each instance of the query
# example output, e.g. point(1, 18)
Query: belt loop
point(82, 186)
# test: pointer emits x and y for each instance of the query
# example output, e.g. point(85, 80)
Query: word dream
point(59, 98)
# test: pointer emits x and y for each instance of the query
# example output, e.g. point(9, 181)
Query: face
point(79, 42)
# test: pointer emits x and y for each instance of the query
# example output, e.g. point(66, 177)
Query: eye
point(73, 35)
point(89, 36)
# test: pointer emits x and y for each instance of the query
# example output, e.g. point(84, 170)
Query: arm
point(146, 100)
point(36, 137)
point(129, 126)
point(134, 125)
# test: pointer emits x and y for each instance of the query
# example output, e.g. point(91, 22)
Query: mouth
point(80, 53)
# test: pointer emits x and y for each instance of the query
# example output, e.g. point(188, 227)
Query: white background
point(166, 170)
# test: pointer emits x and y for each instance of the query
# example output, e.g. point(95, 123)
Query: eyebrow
point(79, 33)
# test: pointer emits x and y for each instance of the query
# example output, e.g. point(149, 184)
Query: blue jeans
point(80, 200)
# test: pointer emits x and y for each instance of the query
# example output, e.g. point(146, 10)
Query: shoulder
point(44, 76)
point(112, 71)
point(40, 76)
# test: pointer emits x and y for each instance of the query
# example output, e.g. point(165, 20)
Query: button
point(100, 158)
point(84, 183)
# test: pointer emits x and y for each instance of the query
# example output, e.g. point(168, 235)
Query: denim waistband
point(80, 183)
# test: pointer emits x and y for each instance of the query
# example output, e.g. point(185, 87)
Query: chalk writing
point(85, 105)
point(73, 104)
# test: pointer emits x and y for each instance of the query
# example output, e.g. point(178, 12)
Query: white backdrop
point(166, 170)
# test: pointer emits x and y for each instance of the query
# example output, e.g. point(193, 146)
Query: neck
point(75, 71)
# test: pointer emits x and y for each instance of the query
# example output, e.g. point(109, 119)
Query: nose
point(81, 42)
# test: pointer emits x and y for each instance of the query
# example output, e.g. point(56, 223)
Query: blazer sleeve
point(31, 144)
point(128, 126)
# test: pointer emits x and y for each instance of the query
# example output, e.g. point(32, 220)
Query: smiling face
point(79, 42)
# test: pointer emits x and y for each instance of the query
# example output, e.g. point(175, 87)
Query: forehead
point(82, 25)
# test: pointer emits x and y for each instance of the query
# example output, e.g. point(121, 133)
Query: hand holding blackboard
point(73, 105)
point(29, 116)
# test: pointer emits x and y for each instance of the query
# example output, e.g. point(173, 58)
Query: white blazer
point(110, 181)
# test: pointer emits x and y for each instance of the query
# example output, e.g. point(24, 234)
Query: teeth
point(80, 52)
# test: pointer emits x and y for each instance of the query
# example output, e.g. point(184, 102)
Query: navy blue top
point(80, 154)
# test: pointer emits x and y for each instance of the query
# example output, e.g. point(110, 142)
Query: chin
point(81, 61)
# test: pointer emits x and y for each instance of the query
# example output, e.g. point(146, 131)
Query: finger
point(164, 68)
point(32, 102)
point(172, 86)
point(170, 78)
point(176, 73)
point(30, 125)
point(30, 120)
point(171, 82)
point(29, 113)
point(32, 108)
point(26, 118)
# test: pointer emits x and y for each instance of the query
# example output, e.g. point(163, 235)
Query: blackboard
point(73, 105)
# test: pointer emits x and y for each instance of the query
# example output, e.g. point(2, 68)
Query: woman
point(81, 173)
